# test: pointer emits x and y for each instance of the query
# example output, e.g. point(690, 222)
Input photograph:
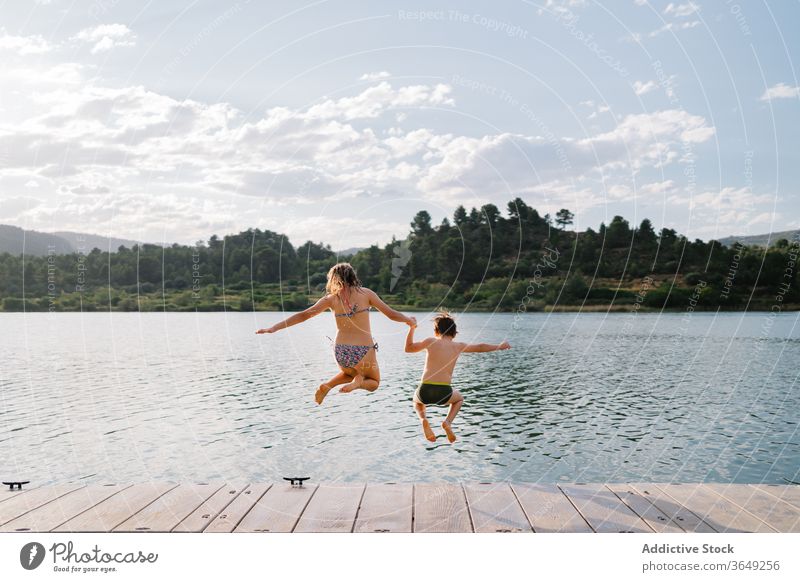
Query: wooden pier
point(402, 507)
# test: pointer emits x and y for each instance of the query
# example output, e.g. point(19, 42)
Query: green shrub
point(13, 304)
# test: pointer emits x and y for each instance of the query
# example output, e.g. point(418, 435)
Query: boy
point(442, 353)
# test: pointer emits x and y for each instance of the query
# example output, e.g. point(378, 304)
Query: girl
point(355, 350)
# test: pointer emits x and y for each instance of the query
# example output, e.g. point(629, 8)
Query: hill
point(349, 252)
point(16, 241)
point(761, 240)
point(481, 259)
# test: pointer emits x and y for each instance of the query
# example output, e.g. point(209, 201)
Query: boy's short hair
point(443, 324)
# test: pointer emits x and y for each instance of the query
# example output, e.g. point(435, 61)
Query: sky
point(336, 121)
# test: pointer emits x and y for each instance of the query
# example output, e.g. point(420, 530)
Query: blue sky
point(336, 121)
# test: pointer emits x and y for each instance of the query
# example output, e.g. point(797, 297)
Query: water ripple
point(595, 398)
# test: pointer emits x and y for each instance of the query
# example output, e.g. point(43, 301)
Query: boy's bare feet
point(321, 393)
point(353, 384)
point(426, 428)
point(451, 436)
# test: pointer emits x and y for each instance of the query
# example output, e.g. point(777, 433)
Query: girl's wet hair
point(443, 324)
point(341, 275)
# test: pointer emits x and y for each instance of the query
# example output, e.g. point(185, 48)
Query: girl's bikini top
point(353, 310)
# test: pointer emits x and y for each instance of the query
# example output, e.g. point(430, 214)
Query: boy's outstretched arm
point(312, 311)
point(411, 345)
point(486, 347)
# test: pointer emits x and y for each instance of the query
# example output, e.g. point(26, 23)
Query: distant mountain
point(349, 252)
point(761, 240)
point(15, 241)
point(87, 242)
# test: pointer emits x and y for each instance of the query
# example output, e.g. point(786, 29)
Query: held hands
point(412, 322)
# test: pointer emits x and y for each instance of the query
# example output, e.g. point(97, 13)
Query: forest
point(479, 260)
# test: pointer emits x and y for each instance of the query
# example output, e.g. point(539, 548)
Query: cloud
point(664, 187)
point(673, 26)
point(780, 91)
point(640, 88)
point(507, 163)
point(24, 45)
point(373, 101)
point(104, 37)
point(733, 205)
point(181, 169)
point(729, 210)
point(83, 189)
point(374, 76)
point(681, 10)
point(18, 206)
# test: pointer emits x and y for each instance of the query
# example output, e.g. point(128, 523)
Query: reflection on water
point(581, 397)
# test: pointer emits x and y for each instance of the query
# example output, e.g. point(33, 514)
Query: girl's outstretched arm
point(392, 314)
point(315, 309)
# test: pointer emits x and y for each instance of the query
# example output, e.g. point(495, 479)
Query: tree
point(618, 233)
point(645, 232)
point(564, 218)
point(460, 216)
point(575, 288)
point(518, 210)
point(421, 225)
point(491, 214)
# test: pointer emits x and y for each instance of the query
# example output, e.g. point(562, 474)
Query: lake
point(122, 397)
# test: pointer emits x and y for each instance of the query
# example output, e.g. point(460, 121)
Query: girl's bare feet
point(426, 428)
point(451, 436)
point(321, 393)
point(354, 384)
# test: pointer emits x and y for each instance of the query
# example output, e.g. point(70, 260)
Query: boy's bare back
point(442, 353)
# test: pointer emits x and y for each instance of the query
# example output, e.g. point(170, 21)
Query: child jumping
point(440, 361)
point(354, 349)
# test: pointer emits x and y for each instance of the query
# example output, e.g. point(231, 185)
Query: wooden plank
point(675, 511)
point(230, 517)
point(787, 493)
point(333, 508)
point(199, 519)
point(29, 500)
point(170, 509)
point(107, 515)
point(386, 507)
point(718, 512)
point(604, 511)
point(278, 510)
point(494, 508)
point(780, 515)
point(642, 507)
point(6, 493)
point(548, 509)
point(440, 507)
point(51, 515)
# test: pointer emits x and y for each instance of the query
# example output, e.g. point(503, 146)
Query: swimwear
point(434, 393)
point(353, 310)
point(348, 356)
